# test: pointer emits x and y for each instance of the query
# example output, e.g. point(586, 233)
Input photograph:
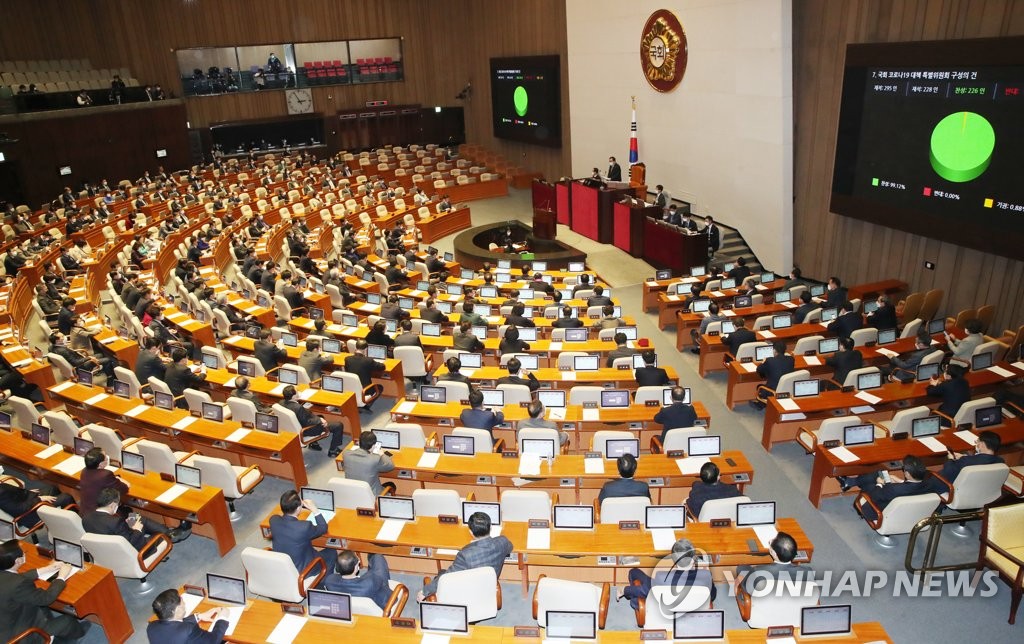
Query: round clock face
point(300, 101)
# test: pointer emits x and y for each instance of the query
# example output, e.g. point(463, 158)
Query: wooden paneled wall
point(828, 244)
point(446, 43)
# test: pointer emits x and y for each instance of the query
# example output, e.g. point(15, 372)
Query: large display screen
point(931, 140)
point(526, 99)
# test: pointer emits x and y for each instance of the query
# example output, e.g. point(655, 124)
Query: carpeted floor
point(841, 540)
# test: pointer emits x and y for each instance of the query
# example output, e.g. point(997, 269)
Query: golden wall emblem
point(663, 52)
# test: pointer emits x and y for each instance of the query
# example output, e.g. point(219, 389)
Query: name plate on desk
point(721, 523)
point(539, 523)
point(431, 450)
point(524, 403)
point(198, 591)
point(532, 632)
point(746, 360)
point(403, 622)
point(293, 609)
point(676, 453)
point(629, 525)
point(647, 635)
point(590, 405)
point(197, 413)
point(624, 367)
point(364, 512)
point(779, 631)
point(782, 395)
point(652, 403)
point(509, 453)
point(899, 436)
point(593, 455)
point(713, 334)
point(448, 519)
point(831, 444)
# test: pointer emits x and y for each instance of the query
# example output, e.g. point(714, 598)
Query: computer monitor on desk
point(266, 422)
point(586, 363)
point(432, 394)
point(570, 625)
point(329, 605)
point(492, 510)
point(443, 618)
point(927, 426)
point(614, 398)
point(756, 513)
point(574, 517)
point(459, 445)
point(862, 434)
point(699, 625)
point(395, 507)
point(543, 447)
point(225, 589)
point(552, 398)
point(824, 621)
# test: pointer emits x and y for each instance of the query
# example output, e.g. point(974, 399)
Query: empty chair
point(61, 524)
point(830, 429)
point(477, 589)
point(515, 394)
point(601, 438)
point(974, 487)
point(482, 439)
point(677, 438)
point(115, 553)
point(1002, 548)
point(581, 394)
point(523, 505)
point(968, 410)
point(109, 440)
point(624, 508)
point(852, 377)
point(159, 457)
point(273, 574)
point(431, 503)
point(770, 608)
point(195, 399)
point(807, 344)
point(351, 494)
point(899, 516)
point(861, 337)
point(409, 434)
point(63, 429)
point(562, 595)
point(911, 328)
point(25, 412)
point(720, 508)
point(235, 480)
point(454, 390)
point(242, 410)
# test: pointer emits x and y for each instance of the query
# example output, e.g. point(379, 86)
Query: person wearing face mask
point(714, 235)
point(614, 170)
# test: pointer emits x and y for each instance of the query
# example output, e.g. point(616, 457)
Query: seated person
point(963, 349)
point(713, 315)
point(882, 493)
point(294, 537)
point(312, 361)
point(621, 350)
point(365, 367)
point(598, 298)
point(18, 500)
point(243, 391)
point(608, 319)
point(742, 335)
point(567, 321)
point(709, 487)
point(171, 625)
point(453, 365)
point(106, 520)
point(535, 410)
point(625, 485)
point(847, 322)
point(464, 340)
point(406, 337)
point(378, 335)
point(314, 424)
point(483, 550)
point(469, 315)
point(511, 342)
point(678, 414)
point(349, 577)
point(476, 416)
point(807, 304)
point(682, 575)
point(650, 375)
point(26, 604)
point(772, 371)
point(367, 463)
point(514, 378)
point(884, 317)
point(845, 360)
point(517, 318)
point(904, 370)
point(740, 271)
point(984, 454)
point(760, 578)
point(954, 390)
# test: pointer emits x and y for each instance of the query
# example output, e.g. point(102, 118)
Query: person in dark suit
point(242, 391)
point(740, 271)
point(625, 485)
point(293, 294)
point(434, 265)
point(678, 414)
point(621, 350)
point(313, 423)
point(18, 500)
point(739, 337)
point(682, 576)
point(390, 310)
point(845, 360)
point(294, 537)
point(431, 314)
point(835, 296)
point(783, 550)
point(709, 487)
point(379, 335)
point(884, 317)
point(483, 550)
point(372, 583)
point(598, 298)
point(313, 361)
point(807, 305)
point(172, 627)
point(510, 343)
point(984, 454)
point(476, 416)
point(650, 375)
point(26, 605)
point(406, 337)
point(269, 354)
point(179, 375)
point(582, 285)
point(513, 378)
point(517, 318)
point(106, 519)
point(772, 371)
point(882, 493)
point(66, 315)
point(952, 388)
point(363, 366)
point(847, 322)
point(465, 340)
point(614, 170)
point(567, 321)
point(714, 235)
point(453, 365)
point(905, 369)
point(672, 216)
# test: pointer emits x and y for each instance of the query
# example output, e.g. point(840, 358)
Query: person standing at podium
point(714, 235)
point(661, 197)
point(614, 171)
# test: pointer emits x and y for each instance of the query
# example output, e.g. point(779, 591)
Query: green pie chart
point(961, 146)
point(521, 100)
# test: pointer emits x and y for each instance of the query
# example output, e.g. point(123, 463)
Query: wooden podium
point(628, 224)
point(544, 223)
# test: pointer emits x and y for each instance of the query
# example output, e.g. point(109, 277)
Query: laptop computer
point(266, 422)
point(332, 383)
point(188, 475)
point(763, 352)
point(69, 553)
point(805, 388)
point(121, 389)
point(828, 345)
point(988, 417)
point(871, 380)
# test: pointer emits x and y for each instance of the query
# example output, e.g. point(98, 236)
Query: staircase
point(733, 247)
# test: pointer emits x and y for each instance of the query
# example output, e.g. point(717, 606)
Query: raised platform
point(471, 247)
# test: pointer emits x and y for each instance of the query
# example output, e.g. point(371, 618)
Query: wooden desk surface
point(569, 379)
point(513, 413)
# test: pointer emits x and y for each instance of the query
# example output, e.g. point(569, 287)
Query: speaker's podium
point(629, 215)
point(587, 205)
